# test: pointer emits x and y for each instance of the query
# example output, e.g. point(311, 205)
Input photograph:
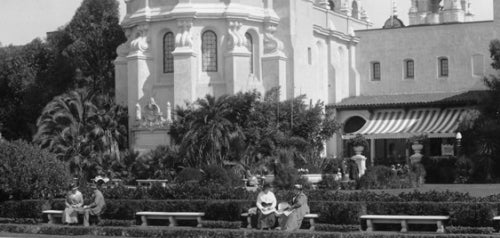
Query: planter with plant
point(358, 143)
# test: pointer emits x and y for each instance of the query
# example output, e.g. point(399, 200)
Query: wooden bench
point(404, 220)
point(311, 217)
point(171, 216)
point(52, 215)
point(148, 183)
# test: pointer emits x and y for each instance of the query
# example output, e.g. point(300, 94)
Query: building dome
point(393, 22)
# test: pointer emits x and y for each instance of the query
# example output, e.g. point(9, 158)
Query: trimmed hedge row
point(204, 233)
point(473, 214)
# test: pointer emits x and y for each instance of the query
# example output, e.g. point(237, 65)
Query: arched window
point(354, 124)
point(443, 67)
point(355, 11)
point(409, 69)
point(332, 5)
point(209, 51)
point(250, 48)
point(168, 48)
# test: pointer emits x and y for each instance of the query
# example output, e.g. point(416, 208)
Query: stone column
point(121, 74)
point(185, 64)
point(139, 66)
point(237, 59)
point(274, 61)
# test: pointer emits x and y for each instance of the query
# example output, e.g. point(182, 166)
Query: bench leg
point(404, 226)
point(199, 222)
point(172, 221)
point(311, 222)
point(249, 221)
point(440, 227)
point(51, 219)
point(369, 225)
point(144, 220)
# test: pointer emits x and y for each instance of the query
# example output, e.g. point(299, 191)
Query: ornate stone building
point(181, 50)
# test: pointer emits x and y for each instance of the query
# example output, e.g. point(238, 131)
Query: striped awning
point(396, 124)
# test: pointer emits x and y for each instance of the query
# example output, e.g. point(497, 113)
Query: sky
point(21, 21)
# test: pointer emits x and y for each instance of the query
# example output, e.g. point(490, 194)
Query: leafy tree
point(82, 128)
point(95, 33)
point(29, 172)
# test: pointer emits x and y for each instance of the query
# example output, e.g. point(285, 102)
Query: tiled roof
point(421, 99)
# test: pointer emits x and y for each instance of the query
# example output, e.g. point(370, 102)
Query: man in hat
point(299, 209)
point(96, 207)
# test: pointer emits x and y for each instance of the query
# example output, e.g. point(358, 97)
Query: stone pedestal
point(237, 70)
point(145, 140)
point(274, 73)
point(361, 162)
point(185, 75)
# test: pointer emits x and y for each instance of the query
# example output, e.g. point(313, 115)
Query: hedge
point(205, 233)
point(473, 214)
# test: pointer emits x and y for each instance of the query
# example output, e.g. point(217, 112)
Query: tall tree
point(82, 129)
point(95, 34)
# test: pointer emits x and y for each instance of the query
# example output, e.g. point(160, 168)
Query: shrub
point(382, 177)
point(337, 228)
point(122, 223)
point(29, 172)
point(221, 224)
point(156, 164)
point(225, 211)
point(338, 212)
point(216, 175)
point(286, 177)
point(358, 140)
point(189, 175)
point(469, 230)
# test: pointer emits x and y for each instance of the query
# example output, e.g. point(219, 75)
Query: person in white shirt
point(266, 204)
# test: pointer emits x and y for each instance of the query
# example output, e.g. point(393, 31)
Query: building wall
point(465, 45)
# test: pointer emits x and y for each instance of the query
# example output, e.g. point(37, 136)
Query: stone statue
point(138, 113)
point(152, 115)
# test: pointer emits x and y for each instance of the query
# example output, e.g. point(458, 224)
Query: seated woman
point(291, 219)
point(266, 204)
point(74, 201)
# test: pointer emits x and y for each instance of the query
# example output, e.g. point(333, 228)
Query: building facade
point(426, 73)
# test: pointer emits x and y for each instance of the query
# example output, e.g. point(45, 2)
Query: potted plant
point(358, 143)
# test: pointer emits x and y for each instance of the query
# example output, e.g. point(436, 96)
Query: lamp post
point(459, 142)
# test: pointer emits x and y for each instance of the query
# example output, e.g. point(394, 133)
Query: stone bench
point(311, 217)
point(52, 215)
point(404, 220)
point(172, 217)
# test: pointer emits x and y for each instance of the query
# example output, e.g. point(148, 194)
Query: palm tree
point(81, 128)
point(210, 131)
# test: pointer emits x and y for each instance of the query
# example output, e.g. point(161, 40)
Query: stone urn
point(359, 159)
point(417, 157)
point(358, 150)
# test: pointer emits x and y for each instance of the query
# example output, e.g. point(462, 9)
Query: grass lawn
point(477, 190)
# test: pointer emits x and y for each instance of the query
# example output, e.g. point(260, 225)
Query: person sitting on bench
point(95, 208)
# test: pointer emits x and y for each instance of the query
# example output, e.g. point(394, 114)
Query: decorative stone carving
point(236, 38)
point(364, 15)
point(152, 117)
point(346, 9)
point(271, 43)
point(324, 4)
point(169, 113)
point(140, 40)
point(138, 113)
point(123, 50)
point(184, 37)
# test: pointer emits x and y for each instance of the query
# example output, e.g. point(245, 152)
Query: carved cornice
point(340, 36)
point(184, 38)
point(271, 43)
point(236, 39)
point(140, 38)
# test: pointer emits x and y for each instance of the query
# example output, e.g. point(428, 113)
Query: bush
point(286, 177)
point(337, 228)
point(189, 175)
point(221, 224)
point(216, 175)
point(382, 177)
point(122, 223)
point(29, 172)
point(469, 230)
point(338, 212)
point(224, 211)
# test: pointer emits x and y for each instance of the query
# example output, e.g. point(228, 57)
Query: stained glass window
point(168, 48)
point(209, 51)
